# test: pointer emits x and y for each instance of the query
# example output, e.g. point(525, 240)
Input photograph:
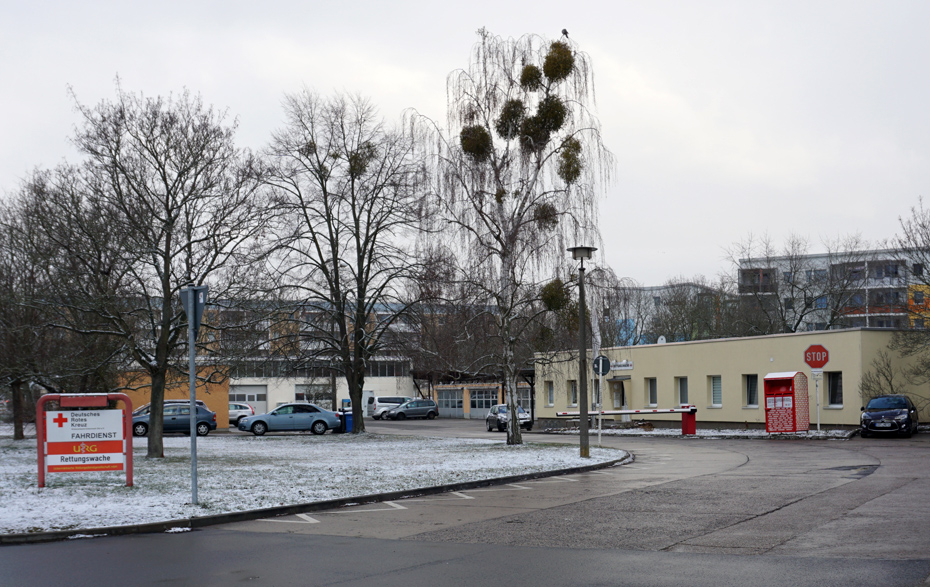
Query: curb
point(204, 521)
point(771, 436)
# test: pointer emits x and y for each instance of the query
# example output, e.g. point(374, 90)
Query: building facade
point(724, 378)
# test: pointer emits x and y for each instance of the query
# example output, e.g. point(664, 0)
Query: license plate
point(883, 425)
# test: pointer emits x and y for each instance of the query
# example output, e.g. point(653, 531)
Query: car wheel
point(488, 424)
point(863, 434)
point(430, 415)
point(203, 429)
point(259, 428)
point(528, 428)
point(502, 427)
point(319, 427)
point(377, 416)
point(401, 416)
point(139, 429)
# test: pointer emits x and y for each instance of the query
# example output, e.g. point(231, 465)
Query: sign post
point(601, 367)
point(816, 356)
point(194, 299)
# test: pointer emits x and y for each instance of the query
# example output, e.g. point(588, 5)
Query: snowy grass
point(238, 473)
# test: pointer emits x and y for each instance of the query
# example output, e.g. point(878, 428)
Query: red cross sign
point(60, 420)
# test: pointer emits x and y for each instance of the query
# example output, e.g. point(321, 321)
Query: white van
point(377, 405)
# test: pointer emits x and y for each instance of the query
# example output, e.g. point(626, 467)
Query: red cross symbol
point(60, 420)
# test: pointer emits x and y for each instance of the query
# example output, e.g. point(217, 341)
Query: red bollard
point(689, 422)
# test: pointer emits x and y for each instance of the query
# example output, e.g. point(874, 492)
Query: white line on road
point(304, 519)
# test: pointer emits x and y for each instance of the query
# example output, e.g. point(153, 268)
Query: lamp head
point(581, 252)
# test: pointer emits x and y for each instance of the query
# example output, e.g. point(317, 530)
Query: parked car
point(418, 408)
point(498, 416)
point(889, 414)
point(145, 408)
point(377, 406)
point(292, 417)
point(238, 411)
point(177, 418)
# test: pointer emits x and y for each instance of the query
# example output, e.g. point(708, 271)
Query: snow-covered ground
point(238, 473)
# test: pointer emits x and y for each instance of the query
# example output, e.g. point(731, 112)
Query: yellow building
point(724, 378)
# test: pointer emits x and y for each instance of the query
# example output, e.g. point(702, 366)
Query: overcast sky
point(726, 118)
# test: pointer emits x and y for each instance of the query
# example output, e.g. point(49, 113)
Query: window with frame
point(682, 390)
point(482, 399)
point(918, 297)
point(716, 391)
point(572, 393)
point(834, 388)
point(652, 392)
point(550, 393)
point(752, 390)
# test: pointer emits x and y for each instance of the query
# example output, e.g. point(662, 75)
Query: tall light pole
point(580, 254)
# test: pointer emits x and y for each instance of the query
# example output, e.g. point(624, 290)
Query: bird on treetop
point(565, 32)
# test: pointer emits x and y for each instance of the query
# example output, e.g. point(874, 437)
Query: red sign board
point(816, 356)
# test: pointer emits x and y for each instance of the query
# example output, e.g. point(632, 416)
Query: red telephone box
point(786, 403)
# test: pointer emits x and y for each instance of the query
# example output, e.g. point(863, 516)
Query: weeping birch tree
point(517, 170)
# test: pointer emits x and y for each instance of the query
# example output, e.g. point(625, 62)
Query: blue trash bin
point(347, 421)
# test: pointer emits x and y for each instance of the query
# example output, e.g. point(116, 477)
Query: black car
point(888, 414)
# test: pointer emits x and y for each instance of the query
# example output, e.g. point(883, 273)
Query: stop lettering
point(816, 356)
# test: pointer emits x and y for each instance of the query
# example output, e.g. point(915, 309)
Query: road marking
point(555, 480)
point(517, 488)
point(394, 506)
point(460, 497)
point(304, 519)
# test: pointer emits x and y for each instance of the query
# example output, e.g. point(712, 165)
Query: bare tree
point(516, 176)
point(162, 200)
point(345, 188)
point(789, 289)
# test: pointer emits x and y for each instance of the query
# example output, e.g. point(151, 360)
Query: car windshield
point(503, 410)
point(887, 403)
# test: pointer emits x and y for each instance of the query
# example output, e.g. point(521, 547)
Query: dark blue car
point(177, 419)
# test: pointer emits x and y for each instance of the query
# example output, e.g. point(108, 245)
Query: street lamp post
point(580, 254)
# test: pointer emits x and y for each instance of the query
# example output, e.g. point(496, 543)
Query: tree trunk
point(16, 389)
point(156, 445)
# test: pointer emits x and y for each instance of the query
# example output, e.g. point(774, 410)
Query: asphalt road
point(687, 512)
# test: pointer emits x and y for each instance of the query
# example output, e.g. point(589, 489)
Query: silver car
point(291, 417)
point(498, 417)
point(418, 408)
point(238, 411)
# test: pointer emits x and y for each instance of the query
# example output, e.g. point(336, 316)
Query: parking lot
point(687, 511)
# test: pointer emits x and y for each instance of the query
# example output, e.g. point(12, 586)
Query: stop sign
point(816, 356)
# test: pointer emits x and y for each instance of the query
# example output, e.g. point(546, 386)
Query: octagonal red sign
point(816, 356)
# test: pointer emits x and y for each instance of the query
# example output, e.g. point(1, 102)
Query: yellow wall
point(215, 395)
point(851, 353)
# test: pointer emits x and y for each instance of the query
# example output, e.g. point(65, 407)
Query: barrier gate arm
point(688, 424)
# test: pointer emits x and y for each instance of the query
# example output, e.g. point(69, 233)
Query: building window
point(789, 303)
point(918, 269)
point(550, 394)
point(919, 323)
point(919, 297)
point(573, 393)
point(652, 394)
point(835, 388)
point(482, 399)
point(716, 391)
point(820, 303)
point(787, 276)
point(752, 390)
point(682, 390)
